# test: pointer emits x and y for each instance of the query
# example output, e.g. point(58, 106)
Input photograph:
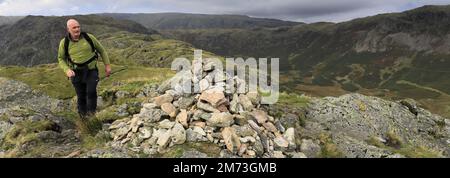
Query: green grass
point(211, 150)
point(146, 50)
point(89, 142)
point(47, 78)
point(328, 148)
point(293, 99)
point(52, 80)
point(107, 115)
point(396, 145)
point(24, 132)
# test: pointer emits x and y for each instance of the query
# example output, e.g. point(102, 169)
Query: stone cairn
point(233, 121)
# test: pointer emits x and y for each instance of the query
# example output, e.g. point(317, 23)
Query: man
point(77, 56)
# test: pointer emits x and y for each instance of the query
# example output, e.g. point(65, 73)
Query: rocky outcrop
point(357, 124)
point(28, 117)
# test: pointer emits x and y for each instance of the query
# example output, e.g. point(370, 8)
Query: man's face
point(74, 29)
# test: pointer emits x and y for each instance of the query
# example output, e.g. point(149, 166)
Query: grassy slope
point(146, 50)
point(50, 78)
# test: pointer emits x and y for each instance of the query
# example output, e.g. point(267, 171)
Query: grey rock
point(205, 116)
point(145, 132)
point(289, 120)
point(122, 110)
point(166, 124)
point(204, 84)
point(281, 142)
point(122, 94)
point(192, 136)
point(121, 133)
point(289, 135)
point(182, 118)
point(259, 148)
point(245, 102)
point(278, 154)
point(186, 102)
point(135, 123)
point(199, 130)
point(220, 120)
point(213, 97)
point(206, 107)
point(310, 148)
point(254, 126)
point(152, 115)
point(279, 126)
point(244, 131)
point(178, 134)
point(179, 78)
point(395, 156)
point(254, 97)
point(164, 138)
point(176, 93)
point(260, 116)
point(169, 109)
point(411, 105)
point(119, 123)
point(270, 127)
point(247, 139)
point(166, 98)
point(355, 118)
point(235, 106)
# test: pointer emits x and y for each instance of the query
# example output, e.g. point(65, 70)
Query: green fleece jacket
point(80, 52)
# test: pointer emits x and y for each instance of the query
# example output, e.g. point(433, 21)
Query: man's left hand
point(107, 70)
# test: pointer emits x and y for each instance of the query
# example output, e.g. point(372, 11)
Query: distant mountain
point(6, 20)
point(34, 40)
point(407, 51)
point(198, 21)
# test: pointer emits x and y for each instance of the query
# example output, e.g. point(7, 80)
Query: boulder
point(169, 109)
point(231, 140)
point(260, 116)
point(166, 98)
point(213, 97)
point(182, 118)
point(166, 124)
point(220, 120)
point(178, 134)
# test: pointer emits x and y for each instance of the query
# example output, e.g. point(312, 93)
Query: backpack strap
point(91, 43)
point(89, 40)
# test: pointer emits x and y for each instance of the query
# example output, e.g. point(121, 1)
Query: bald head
point(72, 22)
point(73, 27)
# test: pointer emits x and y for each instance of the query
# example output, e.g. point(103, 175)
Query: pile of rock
point(233, 121)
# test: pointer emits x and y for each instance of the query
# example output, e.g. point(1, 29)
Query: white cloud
point(301, 10)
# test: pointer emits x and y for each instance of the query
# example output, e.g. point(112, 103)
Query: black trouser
point(85, 82)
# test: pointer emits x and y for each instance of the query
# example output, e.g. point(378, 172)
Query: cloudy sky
point(295, 10)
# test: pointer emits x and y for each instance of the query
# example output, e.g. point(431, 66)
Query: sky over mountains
point(294, 10)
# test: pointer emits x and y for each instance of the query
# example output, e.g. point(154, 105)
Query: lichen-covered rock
point(353, 119)
point(178, 134)
point(220, 120)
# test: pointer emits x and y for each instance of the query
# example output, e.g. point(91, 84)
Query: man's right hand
point(70, 73)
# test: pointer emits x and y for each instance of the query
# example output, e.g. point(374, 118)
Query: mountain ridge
point(162, 21)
